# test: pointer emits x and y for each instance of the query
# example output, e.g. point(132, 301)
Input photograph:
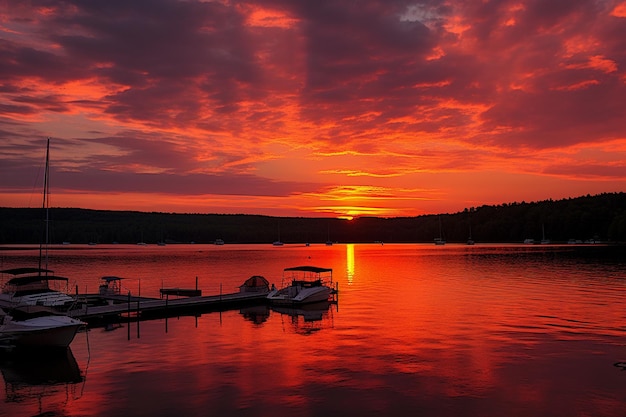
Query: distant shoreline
point(583, 219)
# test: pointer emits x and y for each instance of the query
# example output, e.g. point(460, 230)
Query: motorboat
point(303, 285)
point(38, 327)
point(111, 285)
point(31, 286)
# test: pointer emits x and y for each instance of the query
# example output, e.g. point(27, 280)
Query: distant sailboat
point(278, 242)
point(470, 241)
point(440, 240)
point(328, 241)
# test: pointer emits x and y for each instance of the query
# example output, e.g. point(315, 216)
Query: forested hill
point(601, 217)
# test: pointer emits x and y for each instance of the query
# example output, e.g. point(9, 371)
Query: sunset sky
point(311, 108)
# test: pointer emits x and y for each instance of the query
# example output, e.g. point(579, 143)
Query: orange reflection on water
point(453, 331)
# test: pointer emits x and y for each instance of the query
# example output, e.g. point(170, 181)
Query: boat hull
point(293, 296)
point(48, 299)
point(51, 331)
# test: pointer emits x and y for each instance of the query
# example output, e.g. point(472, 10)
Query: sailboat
point(31, 286)
point(440, 240)
point(470, 241)
point(328, 241)
point(32, 320)
point(278, 242)
point(544, 240)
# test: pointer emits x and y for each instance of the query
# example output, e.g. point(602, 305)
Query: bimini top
point(307, 268)
point(21, 271)
point(110, 278)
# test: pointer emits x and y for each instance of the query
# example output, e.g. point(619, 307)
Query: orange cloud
point(346, 108)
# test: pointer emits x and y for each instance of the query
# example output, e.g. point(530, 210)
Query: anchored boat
point(303, 285)
point(31, 286)
point(38, 327)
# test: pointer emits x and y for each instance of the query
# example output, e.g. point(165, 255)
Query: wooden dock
point(119, 305)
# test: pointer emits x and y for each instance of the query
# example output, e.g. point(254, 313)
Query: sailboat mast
point(45, 204)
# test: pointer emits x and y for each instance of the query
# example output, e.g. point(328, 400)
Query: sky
point(311, 108)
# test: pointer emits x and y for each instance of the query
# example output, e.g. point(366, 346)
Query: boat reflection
point(46, 380)
point(256, 314)
point(307, 319)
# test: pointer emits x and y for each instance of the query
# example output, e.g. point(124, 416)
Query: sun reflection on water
point(350, 262)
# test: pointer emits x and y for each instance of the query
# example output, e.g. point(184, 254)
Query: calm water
point(418, 330)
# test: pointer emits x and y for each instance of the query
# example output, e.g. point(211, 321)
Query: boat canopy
point(256, 281)
point(307, 268)
point(35, 278)
point(21, 271)
point(111, 279)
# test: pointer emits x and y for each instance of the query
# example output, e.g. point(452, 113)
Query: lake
point(454, 330)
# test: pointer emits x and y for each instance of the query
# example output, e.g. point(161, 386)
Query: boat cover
point(111, 279)
point(35, 278)
point(256, 281)
point(20, 271)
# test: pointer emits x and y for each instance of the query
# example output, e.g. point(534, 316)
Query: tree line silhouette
point(600, 217)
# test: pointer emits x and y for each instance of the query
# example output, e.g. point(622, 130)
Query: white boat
point(38, 328)
point(31, 286)
point(219, 242)
point(303, 285)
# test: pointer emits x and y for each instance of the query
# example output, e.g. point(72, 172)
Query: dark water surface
point(418, 330)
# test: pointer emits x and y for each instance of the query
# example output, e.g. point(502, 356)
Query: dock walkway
point(119, 304)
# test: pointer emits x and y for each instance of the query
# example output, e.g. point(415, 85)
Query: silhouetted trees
point(600, 217)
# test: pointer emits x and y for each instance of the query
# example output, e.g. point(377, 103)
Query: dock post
point(138, 317)
point(167, 297)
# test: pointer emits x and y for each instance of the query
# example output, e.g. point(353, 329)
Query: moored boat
point(31, 286)
point(303, 285)
point(38, 327)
